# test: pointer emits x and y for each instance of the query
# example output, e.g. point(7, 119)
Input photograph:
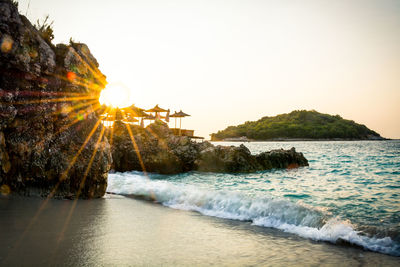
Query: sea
point(348, 196)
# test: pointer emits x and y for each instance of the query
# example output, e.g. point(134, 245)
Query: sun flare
point(116, 96)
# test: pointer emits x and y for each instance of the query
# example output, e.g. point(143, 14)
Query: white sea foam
point(268, 212)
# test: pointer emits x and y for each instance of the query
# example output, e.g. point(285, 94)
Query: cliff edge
point(51, 140)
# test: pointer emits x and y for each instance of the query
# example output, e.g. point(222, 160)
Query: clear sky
point(227, 62)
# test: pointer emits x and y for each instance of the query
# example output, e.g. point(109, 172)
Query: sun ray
point(162, 142)
point(81, 185)
point(38, 93)
point(135, 146)
point(112, 129)
point(61, 179)
point(94, 71)
point(131, 110)
point(76, 80)
point(78, 119)
point(64, 128)
point(63, 176)
point(53, 100)
point(73, 79)
point(78, 115)
point(66, 97)
point(73, 160)
point(76, 107)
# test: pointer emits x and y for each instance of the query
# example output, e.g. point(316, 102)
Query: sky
point(227, 62)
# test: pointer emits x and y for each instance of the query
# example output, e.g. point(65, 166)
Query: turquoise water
point(349, 193)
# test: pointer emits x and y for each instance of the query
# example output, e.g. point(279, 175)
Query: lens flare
point(116, 96)
point(6, 44)
point(71, 76)
point(5, 190)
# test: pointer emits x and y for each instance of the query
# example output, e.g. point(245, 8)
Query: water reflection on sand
point(123, 231)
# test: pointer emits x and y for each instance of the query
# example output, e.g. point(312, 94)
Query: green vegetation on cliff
point(299, 124)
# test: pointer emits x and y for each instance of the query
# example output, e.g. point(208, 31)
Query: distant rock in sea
point(156, 149)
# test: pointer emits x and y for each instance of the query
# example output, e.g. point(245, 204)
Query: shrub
point(15, 3)
point(45, 28)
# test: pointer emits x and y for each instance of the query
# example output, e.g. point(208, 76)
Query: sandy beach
point(105, 117)
point(122, 231)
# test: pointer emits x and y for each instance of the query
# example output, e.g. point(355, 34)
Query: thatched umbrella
point(179, 115)
point(107, 117)
point(174, 116)
point(182, 114)
point(112, 117)
point(150, 118)
point(167, 117)
point(131, 119)
point(118, 115)
point(135, 112)
point(156, 110)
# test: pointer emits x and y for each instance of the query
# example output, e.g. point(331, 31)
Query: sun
point(116, 96)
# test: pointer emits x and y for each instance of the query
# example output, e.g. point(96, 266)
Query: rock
point(152, 149)
point(51, 141)
point(156, 149)
point(4, 158)
point(226, 159)
point(281, 159)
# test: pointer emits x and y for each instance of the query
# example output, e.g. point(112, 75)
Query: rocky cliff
point(50, 137)
point(156, 149)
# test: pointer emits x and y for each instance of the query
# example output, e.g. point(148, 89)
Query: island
point(297, 125)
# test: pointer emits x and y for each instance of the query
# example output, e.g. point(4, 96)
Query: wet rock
point(226, 159)
point(281, 159)
point(156, 149)
point(51, 141)
point(152, 149)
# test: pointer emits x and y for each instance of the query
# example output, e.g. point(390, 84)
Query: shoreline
point(304, 140)
point(119, 230)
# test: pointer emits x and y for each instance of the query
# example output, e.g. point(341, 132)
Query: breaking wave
point(281, 214)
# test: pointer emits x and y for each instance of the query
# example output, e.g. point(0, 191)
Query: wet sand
point(121, 231)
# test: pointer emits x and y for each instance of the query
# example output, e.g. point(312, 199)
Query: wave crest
point(281, 214)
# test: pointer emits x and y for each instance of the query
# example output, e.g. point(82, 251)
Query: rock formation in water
point(156, 149)
point(50, 138)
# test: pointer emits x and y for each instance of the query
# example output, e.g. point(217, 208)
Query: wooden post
point(180, 126)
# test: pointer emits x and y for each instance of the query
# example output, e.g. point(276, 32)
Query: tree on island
point(299, 124)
